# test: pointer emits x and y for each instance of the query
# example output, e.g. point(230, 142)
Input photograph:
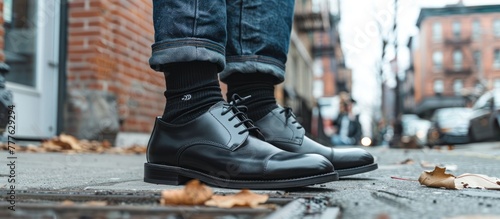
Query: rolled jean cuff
point(186, 50)
point(253, 64)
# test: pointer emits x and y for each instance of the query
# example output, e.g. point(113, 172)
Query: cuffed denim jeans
point(245, 36)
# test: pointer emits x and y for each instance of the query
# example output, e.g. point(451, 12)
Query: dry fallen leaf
point(407, 161)
point(477, 181)
point(67, 203)
point(437, 178)
point(245, 198)
point(96, 203)
point(194, 193)
point(68, 142)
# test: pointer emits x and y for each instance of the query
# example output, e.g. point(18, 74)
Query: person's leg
point(257, 47)
point(199, 135)
point(190, 51)
point(256, 51)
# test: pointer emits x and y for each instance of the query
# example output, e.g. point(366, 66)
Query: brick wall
point(425, 74)
point(108, 50)
point(2, 32)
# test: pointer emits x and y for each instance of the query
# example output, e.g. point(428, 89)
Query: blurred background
point(414, 73)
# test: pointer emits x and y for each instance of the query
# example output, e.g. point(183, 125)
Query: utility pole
point(398, 127)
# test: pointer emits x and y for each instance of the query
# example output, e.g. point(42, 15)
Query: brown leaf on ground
point(68, 142)
point(245, 198)
point(477, 181)
point(67, 203)
point(96, 203)
point(194, 193)
point(437, 178)
point(407, 161)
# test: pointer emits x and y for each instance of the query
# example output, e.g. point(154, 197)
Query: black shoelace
point(240, 112)
point(289, 114)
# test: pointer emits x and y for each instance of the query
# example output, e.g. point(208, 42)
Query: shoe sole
point(357, 170)
point(170, 175)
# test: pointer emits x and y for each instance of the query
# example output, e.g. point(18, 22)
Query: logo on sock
point(186, 97)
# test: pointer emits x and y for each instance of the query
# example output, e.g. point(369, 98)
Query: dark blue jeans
point(245, 36)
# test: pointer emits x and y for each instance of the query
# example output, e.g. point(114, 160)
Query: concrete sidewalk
point(370, 195)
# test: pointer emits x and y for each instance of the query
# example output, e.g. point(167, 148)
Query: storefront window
point(20, 18)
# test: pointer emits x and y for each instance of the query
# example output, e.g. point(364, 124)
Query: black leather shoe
point(218, 149)
point(281, 129)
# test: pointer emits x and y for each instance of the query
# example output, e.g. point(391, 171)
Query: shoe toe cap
point(286, 165)
point(351, 157)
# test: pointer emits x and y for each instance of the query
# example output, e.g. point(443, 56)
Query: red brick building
point(457, 54)
point(108, 50)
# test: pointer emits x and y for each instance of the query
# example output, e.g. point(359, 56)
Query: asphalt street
point(389, 192)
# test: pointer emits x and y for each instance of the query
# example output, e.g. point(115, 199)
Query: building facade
point(81, 67)
point(456, 56)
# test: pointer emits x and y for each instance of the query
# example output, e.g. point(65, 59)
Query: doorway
point(31, 50)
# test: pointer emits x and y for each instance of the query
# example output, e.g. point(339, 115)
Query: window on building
point(476, 30)
point(457, 59)
point(438, 86)
point(496, 61)
point(20, 40)
point(496, 27)
point(477, 59)
point(458, 85)
point(457, 29)
point(437, 31)
point(437, 59)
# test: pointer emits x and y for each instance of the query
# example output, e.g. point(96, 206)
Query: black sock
point(259, 86)
point(192, 88)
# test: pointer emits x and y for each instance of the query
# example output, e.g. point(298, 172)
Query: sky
point(361, 40)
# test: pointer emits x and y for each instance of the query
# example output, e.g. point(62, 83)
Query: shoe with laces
point(281, 129)
point(222, 148)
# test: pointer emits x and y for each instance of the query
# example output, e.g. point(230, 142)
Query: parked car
point(414, 131)
point(419, 129)
point(449, 126)
point(485, 119)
